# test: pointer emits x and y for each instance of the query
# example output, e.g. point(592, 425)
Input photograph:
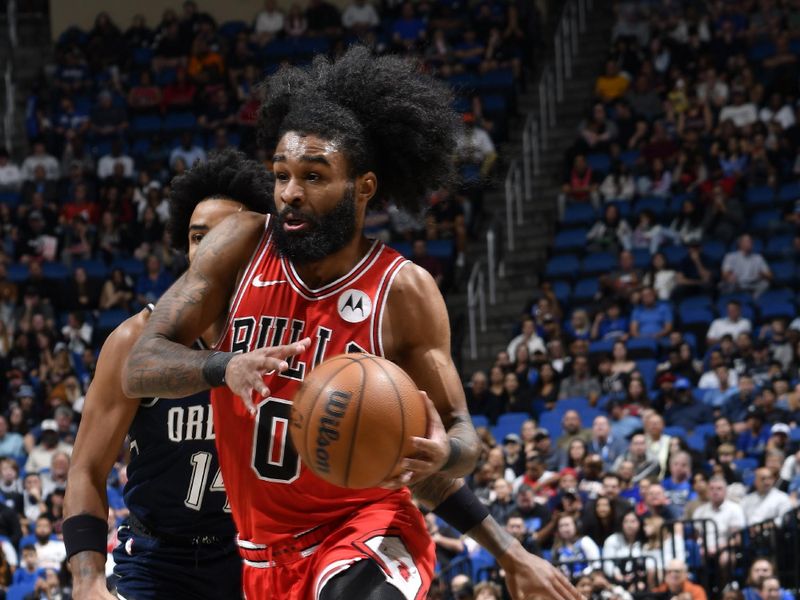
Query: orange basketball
point(353, 419)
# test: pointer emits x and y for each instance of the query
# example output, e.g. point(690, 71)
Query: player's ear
point(366, 186)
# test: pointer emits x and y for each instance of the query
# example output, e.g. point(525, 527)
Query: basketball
point(353, 419)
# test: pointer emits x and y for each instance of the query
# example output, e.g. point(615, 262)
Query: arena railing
point(476, 306)
point(9, 115)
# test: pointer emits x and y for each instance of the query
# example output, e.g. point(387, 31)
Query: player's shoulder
point(127, 333)
point(412, 282)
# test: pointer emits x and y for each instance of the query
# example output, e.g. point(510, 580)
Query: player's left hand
point(529, 577)
point(431, 452)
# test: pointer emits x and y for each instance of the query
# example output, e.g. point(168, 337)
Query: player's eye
point(313, 177)
point(282, 177)
point(197, 238)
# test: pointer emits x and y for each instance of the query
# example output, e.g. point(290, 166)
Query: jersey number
point(274, 456)
point(201, 466)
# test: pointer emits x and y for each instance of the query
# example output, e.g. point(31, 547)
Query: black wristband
point(214, 367)
point(85, 532)
point(462, 510)
point(455, 454)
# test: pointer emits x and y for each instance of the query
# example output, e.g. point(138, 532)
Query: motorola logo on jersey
point(354, 306)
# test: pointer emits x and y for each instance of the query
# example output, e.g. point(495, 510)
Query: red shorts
point(391, 532)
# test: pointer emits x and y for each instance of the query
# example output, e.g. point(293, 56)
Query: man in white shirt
point(475, 147)
point(51, 553)
point(10, 175)
point(187, 151)
point(527, 337)
point(745, 270)
point(105, 166)
point(40, 157)
point(766, 502)
point(733, 324)
point(778, 112)
point(728, 516)
point(743, 114)
point(360, 16)
point(268, 23)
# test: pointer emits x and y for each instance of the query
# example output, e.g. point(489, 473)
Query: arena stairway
point(520, 269)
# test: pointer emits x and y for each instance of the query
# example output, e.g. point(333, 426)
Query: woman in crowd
point(576, 554)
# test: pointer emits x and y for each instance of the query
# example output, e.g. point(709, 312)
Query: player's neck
point(319, 273)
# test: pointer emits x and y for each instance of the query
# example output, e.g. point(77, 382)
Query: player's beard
point(324, 235)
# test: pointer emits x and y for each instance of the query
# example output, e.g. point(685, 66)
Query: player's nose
point(292, 192)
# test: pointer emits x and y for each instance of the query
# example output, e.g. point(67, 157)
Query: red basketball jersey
point(272, 494)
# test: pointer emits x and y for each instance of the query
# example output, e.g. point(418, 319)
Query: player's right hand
point(529, 577)
point(245, 372)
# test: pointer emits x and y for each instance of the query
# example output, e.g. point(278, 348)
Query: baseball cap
point(49, 425)
point(512, 438)
point(59, 347)
point(540, 434)
point(755, 412)
point(25, 391)
point(666, 378)
point(682, 383)
point(780, 428)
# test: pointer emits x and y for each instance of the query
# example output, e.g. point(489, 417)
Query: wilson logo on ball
point(328, 431)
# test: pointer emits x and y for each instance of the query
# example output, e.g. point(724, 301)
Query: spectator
point(323, 18)
point(724, 217)
point(742, 113)
point(612, 84)
point(268, 23)
point(624, 280)
point(604, 444)
point(50, 553)
point(657, 441)
point(728, 516)
point(581, 383)
point(40, 158)
point(535, 476)
point(579, 186)
point(597, 132)
point(767, 502)
point(144, 96)
point(179, 94)
point(360, 17)
point(153, 282)
point(610, 234)
point(515, 526)
point(188, 152)
point(626, 543)
point(10, 175)
point(107, 119)
point(41, 456)
point(660, 277)
point(28, 571)
point(644, 99)
point(693, 276)
point(676, 582)
point(677, 486)
point(623, 424)
point(618, 184)
point(687, 227)
point(745, 270)
point(657, 503)
point(547, 385)
point(528, 338)
point(651, 319)
point(106, 165)
point(610, 323)
point(732, 324)
point(761, 569)
point(205, 67)
point(679, 407)
point(503, 505)
point(581, 552)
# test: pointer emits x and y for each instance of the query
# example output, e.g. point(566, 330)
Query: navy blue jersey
point(174, 482)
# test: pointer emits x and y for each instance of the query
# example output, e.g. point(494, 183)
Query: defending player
point(179, 539)
point(360, 129)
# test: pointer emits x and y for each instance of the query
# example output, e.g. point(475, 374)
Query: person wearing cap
point(779, 437)
point(41, 455)
point(679, 407)
point(513, 454)
point(543, 445)
point(766, 502)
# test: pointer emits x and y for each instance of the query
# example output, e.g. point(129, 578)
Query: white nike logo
point(258, 283)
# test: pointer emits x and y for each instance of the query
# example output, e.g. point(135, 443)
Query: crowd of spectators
point(653, 383)
point(83, 215)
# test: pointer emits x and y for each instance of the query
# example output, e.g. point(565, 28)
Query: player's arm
point(416, 336)
point(527, 575)
point(162, 364)
point(107, 416)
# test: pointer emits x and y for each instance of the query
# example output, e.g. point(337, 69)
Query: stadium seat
point(570, 239)
point(509, 423)
point(166, 77)
point(442, 249)
point(641, 258)
point(230, 29)
point(562, 291)
point(761, 50)
point(654, 204)
point(769, 311)
point(585, 290)
point(647, 368)
point(17, 273)
point(713, 251)
point(499, 80)
point(403, 248)
point(783, 273)
point(142, 56)
point(479, 421)
point(307, 47)
point(789, 192)
point(624, 207)
point(565, 404)
point(55, 271)
point(695, 315)
point(551, 421)
point(95, 269)
point(131, 266)
point(463, 84)
point(179, 121)
point(705, 429)
point(598, 262)
point(779, 246)
point(19, 591)
point(579, 213)
point(675, 431)
point(561, 267)
point(674, 255)
point(145, 125)
point(599, 163)
point(642, 348)
point(12, 199)
point(629, 157)
point(696, 442)
point(601, 347)
point(764, 221)
point(760, 196)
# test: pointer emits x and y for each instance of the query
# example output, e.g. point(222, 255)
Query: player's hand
point(431, 452)
point(245, 372)
point(529, 577)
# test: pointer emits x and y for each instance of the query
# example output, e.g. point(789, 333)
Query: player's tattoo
point(491, 535)
point(433, 490)
point(158, 365)
point(464, 446)
point(87, 565)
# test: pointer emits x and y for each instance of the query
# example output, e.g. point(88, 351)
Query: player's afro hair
point(227, 174)
point(387, 117)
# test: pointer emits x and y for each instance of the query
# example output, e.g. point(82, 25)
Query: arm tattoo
point(88, 565)
point(433, 490)
point(464, 446)
point(491, 535)
point(158, 364)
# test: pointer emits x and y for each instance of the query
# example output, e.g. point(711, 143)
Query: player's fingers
point(424, 445)
point(288, 350)
point(416, 465)
point(397, 482)
point(265, 364)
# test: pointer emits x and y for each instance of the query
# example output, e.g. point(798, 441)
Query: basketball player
point(179, 539)
point(357, 131)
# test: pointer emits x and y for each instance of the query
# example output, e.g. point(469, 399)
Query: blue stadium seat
point(579, 213)
point(142, 56)
point(140, 147)
point(601, 347)
point(624, 207)
point(775, 296)
point(570, 239)
point(442, 249)
point(230, 29)
point(166, 77)
point(145, 125)
point(629, 157)
point(598, 262)
point(764, 221)
point(561, 267)
point(562, 291)
point(713, 251)
point(510, 423)
point(579, 404)
point(769, 311)
point(642, 348)
point(551, 421)
point(494, 103)
point(761, 50)
point(654, 204)
point(705, 429)
point(675, 431)
point(17, 273)
point(795, 435)
point(696, 442)
point(179, 121)
point(403, 248)
point(479, 421)
point(762, 195)
point(55, 271)
point(482, 564)
point(12, 199)
point(641, 258)
point(499, 80)
point(695, 315)
point(19, 591)
point(599, 163)
point(464, 83)
point(585, 289)
point(310, 46)
point(674, 255)
point(131, 266)
point(95, 269)
point(789, 192)
point(783, 273)
point(278, 49)
point(779, 246)
point(693, 302)
point(647, 367)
